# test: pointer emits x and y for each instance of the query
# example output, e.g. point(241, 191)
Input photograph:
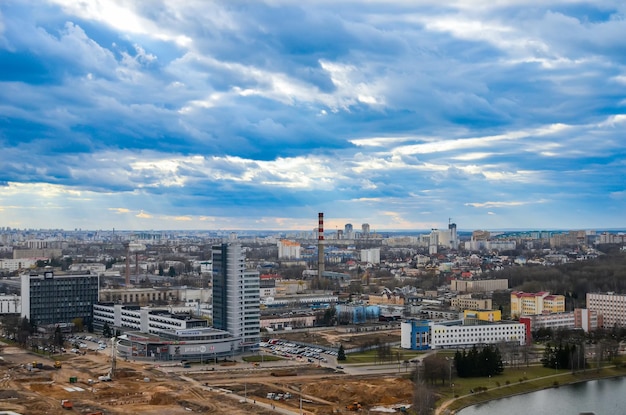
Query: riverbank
point(499, 388)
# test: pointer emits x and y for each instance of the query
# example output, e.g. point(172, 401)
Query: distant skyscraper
point(348, 231)
point(365, 229)
point(236, 307)
point(433, 242)
point(454, 239)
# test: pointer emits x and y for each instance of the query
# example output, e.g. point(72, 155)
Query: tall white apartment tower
point(454, 239)
point(236, 307)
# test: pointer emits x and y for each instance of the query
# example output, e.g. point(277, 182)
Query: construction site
point(95, 383)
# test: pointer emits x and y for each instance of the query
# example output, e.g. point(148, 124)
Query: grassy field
point(515, 381)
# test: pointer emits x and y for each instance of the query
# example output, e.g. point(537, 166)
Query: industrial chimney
point(320, 245)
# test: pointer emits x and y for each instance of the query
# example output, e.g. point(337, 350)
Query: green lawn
point(515, 381)
point(264, 358)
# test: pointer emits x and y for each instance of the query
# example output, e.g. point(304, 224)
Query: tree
point(423, 396)
point(106, 331)
point(58, 339)
point(25, 330)
point(161, 271)
point(171, 272)
point(78, 324)
point(341, 353)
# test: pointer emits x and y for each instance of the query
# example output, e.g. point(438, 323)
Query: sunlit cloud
point(401, 114)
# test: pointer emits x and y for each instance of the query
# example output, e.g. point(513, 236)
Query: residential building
point(50, 298)
point(475, 286)
point(288, 249)
point(527, 304)
point(10, 304)
point(371, 256)
point(37, 253)
point(471, 301)
point(365, 230)
point(610, 306)
point(586, 319)
point(551, 321)
point(236, 306)
point(12, 265)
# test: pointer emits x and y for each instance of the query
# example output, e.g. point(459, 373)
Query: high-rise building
point(236, 307)
point(454, 239)
point(365, 230)
point(371, 256)
point(50, 299)
point(433, 242)
point(348, 231)
point(288, 249)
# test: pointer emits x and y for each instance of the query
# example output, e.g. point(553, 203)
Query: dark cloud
point(254, 109)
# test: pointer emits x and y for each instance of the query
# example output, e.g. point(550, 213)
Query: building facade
point(288, 249)
point(527, 304)
point(371, 256)
point(10, 304)
point(611, 306)
point(236, 306)
point(50, 299)
point(459, 334)
point(475, 286)
point(469, 301)
point(586, 319)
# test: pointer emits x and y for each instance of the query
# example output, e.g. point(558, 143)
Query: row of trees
point(564, 356)
point(475, 363)
point(574, 280)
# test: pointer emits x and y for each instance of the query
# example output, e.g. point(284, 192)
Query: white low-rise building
point(10, 304)
point(456, 334)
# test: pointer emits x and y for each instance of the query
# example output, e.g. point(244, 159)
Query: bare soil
point(141, 388)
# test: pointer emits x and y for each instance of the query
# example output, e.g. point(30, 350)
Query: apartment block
point(471, 301)
point(527, 304)
point(610, 306)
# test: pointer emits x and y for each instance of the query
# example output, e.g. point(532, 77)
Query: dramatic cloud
point(250, 115)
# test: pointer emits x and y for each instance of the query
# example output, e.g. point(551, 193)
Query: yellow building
point(529, 304)
point(482, 315)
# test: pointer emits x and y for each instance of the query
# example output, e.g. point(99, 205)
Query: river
point(602, 397)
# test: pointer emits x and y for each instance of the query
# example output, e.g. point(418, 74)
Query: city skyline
point(258, 115)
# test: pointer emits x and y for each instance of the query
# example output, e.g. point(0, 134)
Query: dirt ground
point(332, 338)
point(141, 388)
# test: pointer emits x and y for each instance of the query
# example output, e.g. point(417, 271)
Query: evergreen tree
point(106, 330)
point(341, 353)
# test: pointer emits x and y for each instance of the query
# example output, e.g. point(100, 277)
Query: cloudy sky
point(260, 114)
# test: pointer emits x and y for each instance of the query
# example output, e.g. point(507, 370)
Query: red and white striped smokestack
point(320, 245)
point(320, 229)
